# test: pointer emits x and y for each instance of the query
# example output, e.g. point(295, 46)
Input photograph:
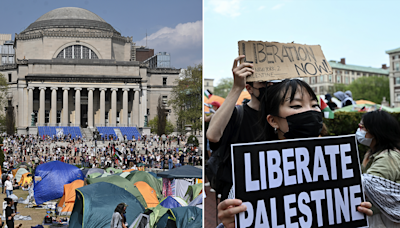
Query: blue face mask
point(360, 136)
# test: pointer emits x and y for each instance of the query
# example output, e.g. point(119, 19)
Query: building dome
point(70, 17)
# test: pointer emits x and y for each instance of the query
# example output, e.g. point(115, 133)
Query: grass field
point(37, 215)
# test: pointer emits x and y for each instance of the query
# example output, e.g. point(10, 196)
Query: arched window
point(77, 52)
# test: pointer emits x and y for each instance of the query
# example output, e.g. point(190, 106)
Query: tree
point(186, 98)
point(223, 87)
point(4, 123)
point(371, 88)
point(162, 118)
point(153, 124)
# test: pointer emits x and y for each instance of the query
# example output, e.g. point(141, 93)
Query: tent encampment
point(122, 183)
point(67, 201)
point(95, 205)
point(181, 217)
point(53, 177)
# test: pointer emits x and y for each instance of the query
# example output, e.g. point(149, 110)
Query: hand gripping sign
point(274, 60)
point(313, 182)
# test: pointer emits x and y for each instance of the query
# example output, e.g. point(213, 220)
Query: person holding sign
point(381, 132)
point(224, 129)
point(289, 110)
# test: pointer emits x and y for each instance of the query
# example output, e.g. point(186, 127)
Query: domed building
point(72, 68)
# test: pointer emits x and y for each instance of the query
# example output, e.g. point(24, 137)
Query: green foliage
point(169, 128)
point(193, 140)
point(372, 88)
point(223, 88)
point(186, 98)
point(346, 123)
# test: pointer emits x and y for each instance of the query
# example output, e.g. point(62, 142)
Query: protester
point(289, 109)
point(345, 98)
point(9, 187)
point(118, 219)
point(332, 105)
point(10, 213)
point(381, 132)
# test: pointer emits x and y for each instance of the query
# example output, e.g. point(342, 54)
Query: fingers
point(229, 202)
point(364, 208)
point(237, 60)
point(227, 210)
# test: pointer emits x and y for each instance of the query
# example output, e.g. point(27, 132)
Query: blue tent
point(181, 217)
point(170, 202)
point(54, 175)
point(95, 205)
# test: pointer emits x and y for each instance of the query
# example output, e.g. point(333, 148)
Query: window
point(397, 66)
point(164, 81)
point(106, 117)
point(36, 115)
point(148, 112)
point(207, 84)
point(347, 80)
point(358, 73)
point(398, 97)
point(58, 116)
point(9, 78)
point(330, 78)
point(77, 52)
point(352, 79)
point(322, 89)
point(321, 78)
point(312, 80)
point(397, 80)
point(393, 57)
point(338, 79)
point(164, 100)
point(346, 72)
point(46, 116)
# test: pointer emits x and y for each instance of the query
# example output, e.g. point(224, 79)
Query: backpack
point(215, 163)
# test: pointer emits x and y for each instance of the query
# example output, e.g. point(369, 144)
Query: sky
point(173, 26)
point(361, 31)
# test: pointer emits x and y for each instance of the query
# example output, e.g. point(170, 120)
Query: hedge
point(346, 123)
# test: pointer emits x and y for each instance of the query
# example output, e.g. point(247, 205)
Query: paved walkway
point(210, 207)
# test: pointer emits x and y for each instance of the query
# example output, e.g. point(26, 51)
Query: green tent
point(95, 205)
point(157, 213)
point(149, 179)
point(193, 191)
point(114, 170)
point(122, 183)
point(181, 217)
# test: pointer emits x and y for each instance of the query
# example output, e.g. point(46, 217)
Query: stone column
point(90, 107)
point(135, 109)
point(53, 108)
point(42, 106)
point(103, 106)
point(65, 119)
point(113, 119)
point(30, 104)
point(125, 107)
point(78, 106)
point(144, 105)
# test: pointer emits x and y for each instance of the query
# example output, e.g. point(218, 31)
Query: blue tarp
point(170, 202)
point(54, 175)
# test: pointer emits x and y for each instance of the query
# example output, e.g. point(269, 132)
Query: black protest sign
point(272, 60)
point(314, 182)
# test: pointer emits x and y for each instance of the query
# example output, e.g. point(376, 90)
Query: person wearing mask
point(289, 110)
point(380, 131)
point(118, 219)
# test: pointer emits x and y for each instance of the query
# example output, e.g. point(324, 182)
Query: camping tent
point(174, 183)
point(19, 173)
point(368, 108)
point(113, 170)
point(67, 201)
point(172, 202)
point(53, 177)
point(181, 217)
point(157, 213)
point(193, 191)
point(148, 178)
point(95, 205)
point(198, 201)
point(148, 193)
point(25, 179)
point(122, 183)
point(94, 170)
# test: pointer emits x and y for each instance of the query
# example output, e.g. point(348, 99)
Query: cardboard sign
point(273, 60)
point(313, 182)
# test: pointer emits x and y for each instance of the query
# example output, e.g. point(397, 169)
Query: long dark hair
point(275, 96)
point(384, 128)
point(120, 210)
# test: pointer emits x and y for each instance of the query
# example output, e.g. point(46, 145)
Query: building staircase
point(87, 132)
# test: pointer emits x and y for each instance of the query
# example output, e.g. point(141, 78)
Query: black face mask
point(304, 125)
point(262, 92)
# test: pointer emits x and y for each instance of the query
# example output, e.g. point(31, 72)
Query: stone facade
point(75, 71)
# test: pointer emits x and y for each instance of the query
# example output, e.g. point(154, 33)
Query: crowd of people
point(148, 151)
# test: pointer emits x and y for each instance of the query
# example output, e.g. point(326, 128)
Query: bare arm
point(221, 118)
